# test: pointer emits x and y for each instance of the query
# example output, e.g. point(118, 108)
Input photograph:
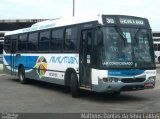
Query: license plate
point(148, 85)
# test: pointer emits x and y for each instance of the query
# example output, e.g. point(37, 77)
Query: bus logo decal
point(41, 66)
point(65, 59)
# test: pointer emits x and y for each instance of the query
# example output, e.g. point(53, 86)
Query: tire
point(75, 91)
point(21, 74)
point(116, 93)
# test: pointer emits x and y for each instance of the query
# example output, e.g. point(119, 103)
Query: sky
point(50, 9)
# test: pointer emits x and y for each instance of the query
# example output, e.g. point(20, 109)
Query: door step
point(85, 88)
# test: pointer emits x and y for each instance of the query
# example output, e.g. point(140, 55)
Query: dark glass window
point(7, 44)
point(22, 42)
point(32, 42)
point(1, 47)
point(10, 43)
point(155, 47)
point(14, 39)
point(56, 40)
point(158, 47)
point(44, 41)
point(71, 39)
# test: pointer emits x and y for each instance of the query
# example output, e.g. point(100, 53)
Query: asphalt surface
point(38, 97)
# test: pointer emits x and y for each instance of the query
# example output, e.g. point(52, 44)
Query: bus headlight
point(111, 79)
point(105, 79)
point(151, 79)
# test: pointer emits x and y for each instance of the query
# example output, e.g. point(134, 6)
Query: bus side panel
point(48, 67)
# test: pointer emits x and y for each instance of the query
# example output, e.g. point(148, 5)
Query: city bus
point(105, 53)
point(157, 51)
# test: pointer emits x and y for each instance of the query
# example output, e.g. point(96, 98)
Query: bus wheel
point(21, 74)
point(74, 85)
point(116, 93)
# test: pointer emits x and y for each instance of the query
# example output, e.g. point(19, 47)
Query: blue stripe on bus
point(125, 72)
point(27, 61)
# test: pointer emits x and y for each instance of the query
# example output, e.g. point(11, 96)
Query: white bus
point(157, 51)
point(106, 53)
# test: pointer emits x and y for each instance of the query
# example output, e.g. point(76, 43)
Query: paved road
point(44, 97)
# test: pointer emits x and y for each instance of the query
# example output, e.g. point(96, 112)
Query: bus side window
point(32, 42)
point(158, 47)
point(1, 47)
point(22, 42)
point(155, 47)
point(14, 40)
point(70, 43)
point(56, 40)
point(7, 44)
point(43, 43)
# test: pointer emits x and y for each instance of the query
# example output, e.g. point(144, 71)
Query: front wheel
point(21, 74)
point(116, 93)
point(75, 91)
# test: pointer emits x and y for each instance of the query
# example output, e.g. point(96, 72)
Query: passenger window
point(7, 44)
point(56, 40)
point(155, 47)
point(32, 42)
point(158, 47)
point(22, 42)
point(71, 39)
point(1, 47)
point(44, 41)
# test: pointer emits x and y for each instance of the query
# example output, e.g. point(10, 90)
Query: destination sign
point(128, 21)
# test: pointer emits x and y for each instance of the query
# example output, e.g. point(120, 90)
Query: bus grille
point(132, 80)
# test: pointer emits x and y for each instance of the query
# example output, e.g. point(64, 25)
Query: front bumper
point(120, 86)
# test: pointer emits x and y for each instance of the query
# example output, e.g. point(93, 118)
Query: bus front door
point(85, 62)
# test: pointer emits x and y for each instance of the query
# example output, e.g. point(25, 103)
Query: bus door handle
point(82, 61)
point(18, 55)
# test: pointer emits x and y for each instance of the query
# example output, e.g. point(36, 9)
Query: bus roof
point(101, 19)
point(57, 23)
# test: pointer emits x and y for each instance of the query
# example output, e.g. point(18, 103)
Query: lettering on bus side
point(64, 59)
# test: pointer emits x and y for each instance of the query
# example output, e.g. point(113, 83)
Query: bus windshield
point(126, 48)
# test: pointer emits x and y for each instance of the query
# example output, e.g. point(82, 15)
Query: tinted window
point(158, 47)
point(56, 40)
point(22, 42)
point(1, 47)
point(44, 41)
point(7, 44)
point(32, 42)
point(155, 47)
point(71, 39)
point(14, 39)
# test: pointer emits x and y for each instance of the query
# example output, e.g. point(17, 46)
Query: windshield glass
point(126, 48)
